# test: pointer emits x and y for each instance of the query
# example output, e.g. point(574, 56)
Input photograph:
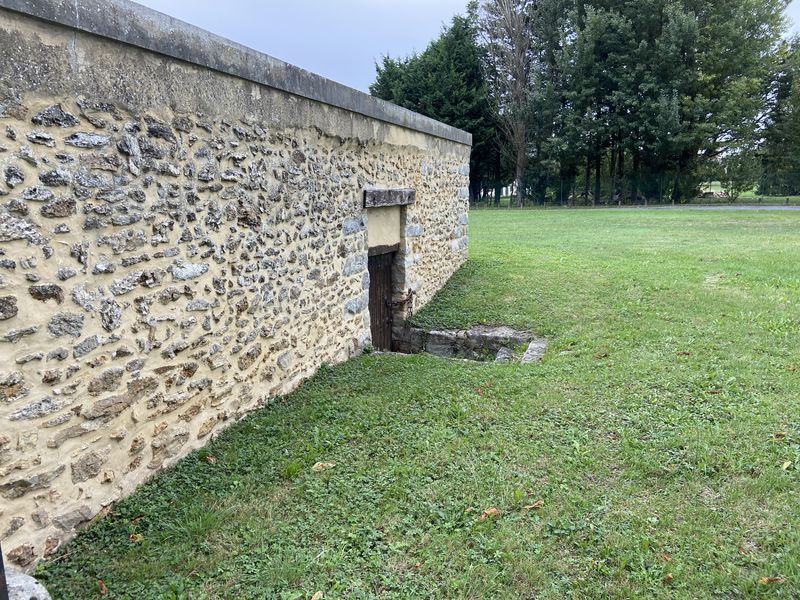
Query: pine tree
point(446, 82)
point(780, 153)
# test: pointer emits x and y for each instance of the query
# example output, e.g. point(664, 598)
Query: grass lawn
point(748, 197)
point(654, 453)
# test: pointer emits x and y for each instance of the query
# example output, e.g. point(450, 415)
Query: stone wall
point(178, 245)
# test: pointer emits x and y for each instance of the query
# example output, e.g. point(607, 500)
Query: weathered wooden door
point(380, 300)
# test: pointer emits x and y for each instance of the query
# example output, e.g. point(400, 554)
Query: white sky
point(339, 39)
point(794, 16)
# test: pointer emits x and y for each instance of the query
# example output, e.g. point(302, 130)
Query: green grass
point(661, 432)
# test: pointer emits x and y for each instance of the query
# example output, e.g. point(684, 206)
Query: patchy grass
point(654, 452)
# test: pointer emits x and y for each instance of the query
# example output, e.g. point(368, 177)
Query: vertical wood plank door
point(380, 300)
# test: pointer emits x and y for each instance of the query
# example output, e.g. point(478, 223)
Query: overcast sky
point(340, 39)
point(794, 15)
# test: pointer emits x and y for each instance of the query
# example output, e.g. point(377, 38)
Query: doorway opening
point(386, 239)
point(381, 308)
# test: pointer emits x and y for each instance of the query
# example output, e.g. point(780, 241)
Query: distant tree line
point(778, 157)
point(613, 101)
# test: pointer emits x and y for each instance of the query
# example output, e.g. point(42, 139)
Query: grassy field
point(654, 453)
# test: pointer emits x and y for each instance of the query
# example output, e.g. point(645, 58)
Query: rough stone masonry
point(182, 238)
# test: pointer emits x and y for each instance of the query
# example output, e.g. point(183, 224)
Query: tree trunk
point(522, 160)
point(635, 178)
point(498, 179)
point(676, 187)
point(543, 177)
point(598, 155)
point(684, 165)
point(621, 168)
point(588, 176)
point(612, 167)
point(598, 168)
point(474, 190)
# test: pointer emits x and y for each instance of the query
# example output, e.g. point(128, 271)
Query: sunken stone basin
point(480, 343)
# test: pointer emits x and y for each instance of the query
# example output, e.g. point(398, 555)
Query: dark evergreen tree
point(614, 100)
point(446, 82)
point(780, 153)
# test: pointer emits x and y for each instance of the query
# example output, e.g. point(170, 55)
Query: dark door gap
point(380, 299)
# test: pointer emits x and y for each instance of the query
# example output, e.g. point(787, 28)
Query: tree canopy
point(613, 100)
point(447, 82)
point(780, 153)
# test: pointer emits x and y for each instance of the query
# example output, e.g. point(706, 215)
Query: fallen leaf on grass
point(536, 505)
point(667, 557)
point(771, 580)
point(136, 538)
point(211, 459)
point(684, 353)
point(750, 557)
point(715, 392)
point(786, 465)
point(102, 585)
point(482, 388)
point(491, 513)
point(780, 435)
point(323, 466)
point(668, 578)
point(603, 355)
point(318, 596)
point(469, 509)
